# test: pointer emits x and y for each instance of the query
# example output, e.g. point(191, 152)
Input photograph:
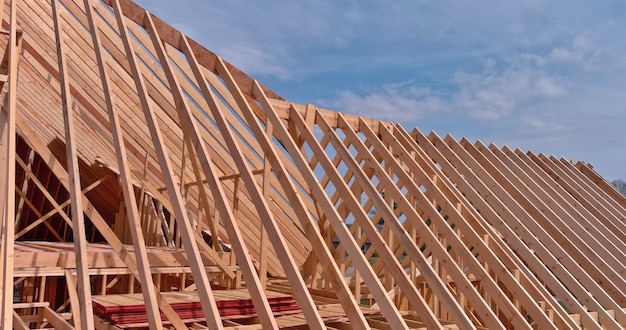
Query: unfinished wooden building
point(148, 183)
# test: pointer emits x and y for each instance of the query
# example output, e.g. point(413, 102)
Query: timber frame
point(138, 164)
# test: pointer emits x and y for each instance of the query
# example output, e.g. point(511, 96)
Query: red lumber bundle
point(129, 308)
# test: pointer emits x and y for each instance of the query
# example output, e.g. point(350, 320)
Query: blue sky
point(546, 76)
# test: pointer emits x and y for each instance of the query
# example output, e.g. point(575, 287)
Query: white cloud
point(262, 38)
point(549, 87)
point(486, 95)
point(397, 103)
point(563, 54)
point(255, 61)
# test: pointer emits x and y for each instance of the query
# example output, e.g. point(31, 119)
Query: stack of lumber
point(126, 309)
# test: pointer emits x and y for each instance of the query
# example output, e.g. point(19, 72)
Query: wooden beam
point(57, 208)
point(605, 203)
point(584, 247)
point(439, 249)
point(612, 204)
point(212, 253)
point(55, 319)
point(78, 228)
point(205, 57)
point(70, 282)
point(17, 322)
point(604, 289)
point(499, 212)
point(414, 218)
point(23, 189)
point(588, 171)
point(267, 186)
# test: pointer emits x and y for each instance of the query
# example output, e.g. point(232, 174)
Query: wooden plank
point(209, 308)
point(30, 305)
point(55, 319)
point(186, 118)
point(587, 170)
point(73, 297)
point(17, 322)
point(143, 266)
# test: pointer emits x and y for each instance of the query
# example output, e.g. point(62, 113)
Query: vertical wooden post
point(4, 145)
point(356, 276)
point(9, 143)
point(70, 283)
point(24, 188)
point(78, 228)
point(203, 201)
point(267, 172)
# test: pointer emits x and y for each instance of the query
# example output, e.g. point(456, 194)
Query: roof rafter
point(246, 210)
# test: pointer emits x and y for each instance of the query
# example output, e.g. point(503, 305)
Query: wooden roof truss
point(168, 169)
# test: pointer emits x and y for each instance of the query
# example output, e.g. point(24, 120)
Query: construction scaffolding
point(148, 183)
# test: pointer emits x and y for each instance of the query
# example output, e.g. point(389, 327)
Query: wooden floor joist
point(140, 167)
